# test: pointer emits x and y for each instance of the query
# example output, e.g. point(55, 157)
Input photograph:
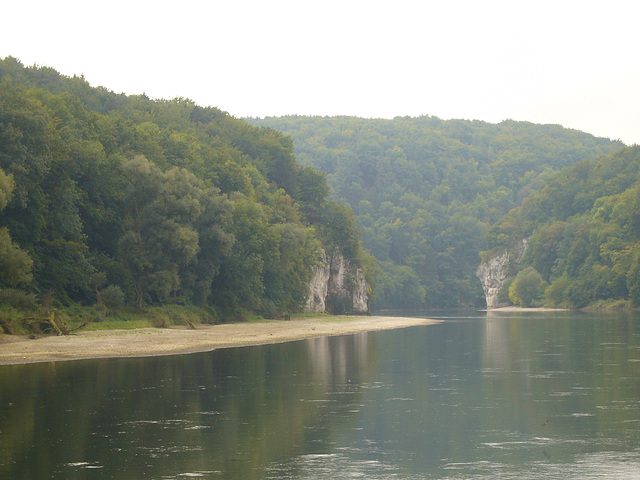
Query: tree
point(338, 229)
point(6, 189)
point(159, 237)
point(15, 263)
point(312, 192)
point(398, 287)
point(525, 289)
point(543, 248)
point(287, 274)
point(25, 141)
point(216, 240)
point(633, 282)
point(239, 283)
point(555, 293)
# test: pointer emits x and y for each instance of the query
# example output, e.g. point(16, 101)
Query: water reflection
point(223, 413)
point(496, 396)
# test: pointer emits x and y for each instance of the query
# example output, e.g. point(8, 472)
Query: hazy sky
point(574, 63)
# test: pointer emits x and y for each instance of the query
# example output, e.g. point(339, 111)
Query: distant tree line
point(426, 191)
point(583, 228)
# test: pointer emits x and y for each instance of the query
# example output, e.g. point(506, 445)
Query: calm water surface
point(486, 396)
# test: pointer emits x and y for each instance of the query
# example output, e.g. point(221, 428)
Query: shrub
point(112, 297)
point(525, 289)
point(339, 304)
point(7, 322)
point(18, 298)
point(159, 320)
point(633, 283)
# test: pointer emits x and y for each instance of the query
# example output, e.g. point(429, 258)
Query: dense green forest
point(426, 191)
point(583, 228)
point(114, 199)
point(123, 200)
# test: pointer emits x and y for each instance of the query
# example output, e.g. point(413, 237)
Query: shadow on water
point(482, 395)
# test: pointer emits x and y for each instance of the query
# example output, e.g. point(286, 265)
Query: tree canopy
point(168, 201)
point(583, 228)
point(162, 200)
point(425, 191)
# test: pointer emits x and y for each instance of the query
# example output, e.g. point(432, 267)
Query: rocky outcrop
point(494, 273)
point(337, 287)
point(318, 288)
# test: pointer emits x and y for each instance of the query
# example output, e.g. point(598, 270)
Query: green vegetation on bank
point(69, 319)
point(21, 321)
point(117, 208)
point(583, 228)
point(120, 201)
point(425, 191)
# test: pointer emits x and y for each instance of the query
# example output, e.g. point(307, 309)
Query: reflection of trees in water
point(502, 389)
point(229, 410)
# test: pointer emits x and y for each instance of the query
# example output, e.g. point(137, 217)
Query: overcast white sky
point(574, 63)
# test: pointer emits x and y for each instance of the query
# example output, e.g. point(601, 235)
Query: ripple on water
point(561, 394)
point(84, 465)
point(200, 474)
point(332, 466)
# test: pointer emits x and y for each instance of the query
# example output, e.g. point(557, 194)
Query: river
point(479, 396)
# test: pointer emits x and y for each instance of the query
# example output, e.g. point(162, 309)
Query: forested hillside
point(425, 191)
point(122, 199)
point(583, 228)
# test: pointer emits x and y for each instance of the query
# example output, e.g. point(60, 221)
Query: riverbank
point(145, 342)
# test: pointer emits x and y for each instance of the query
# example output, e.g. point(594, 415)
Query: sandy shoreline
point(169, 341)
point(512, 308)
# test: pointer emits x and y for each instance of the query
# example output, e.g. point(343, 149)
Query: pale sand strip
point(512, 309)
point(168, 341)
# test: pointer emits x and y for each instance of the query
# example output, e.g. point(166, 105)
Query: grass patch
point(610, 305)
point(128, 318)
point(12, 320)
point(119, 324)
point(325, 317)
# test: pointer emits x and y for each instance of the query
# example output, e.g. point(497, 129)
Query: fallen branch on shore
point(50, 323)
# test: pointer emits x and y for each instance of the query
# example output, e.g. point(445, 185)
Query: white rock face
point(318, 289)
point(335, 277)
point(360, 294)
point(493, 273)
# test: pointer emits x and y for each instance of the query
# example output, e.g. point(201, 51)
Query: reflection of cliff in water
point(338, 360)
point(495, 352)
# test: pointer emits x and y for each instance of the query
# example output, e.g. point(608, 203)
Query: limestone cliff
point(337, 287)
point(494, 273)
point(318, 288)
